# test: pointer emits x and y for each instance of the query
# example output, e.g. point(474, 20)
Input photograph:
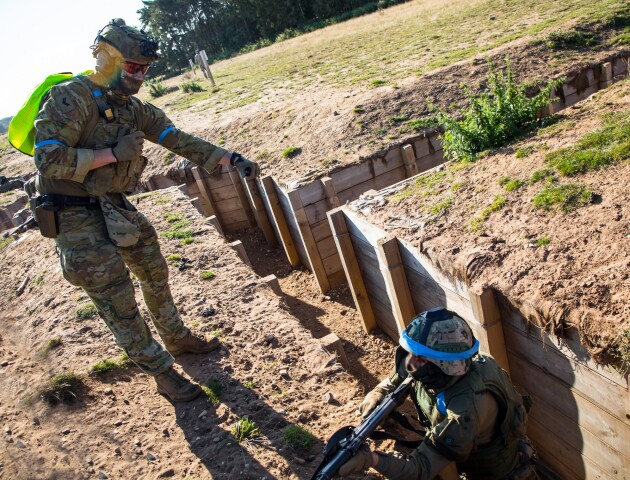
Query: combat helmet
point(127, 42)
point(443, 338)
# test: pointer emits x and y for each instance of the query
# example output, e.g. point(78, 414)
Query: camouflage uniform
point(68, 129)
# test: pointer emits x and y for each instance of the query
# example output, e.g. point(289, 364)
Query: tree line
point(225, 27)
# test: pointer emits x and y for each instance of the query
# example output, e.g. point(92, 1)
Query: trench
point(343, 277)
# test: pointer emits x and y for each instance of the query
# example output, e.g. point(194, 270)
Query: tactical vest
point(100, 133)
point(496, 459)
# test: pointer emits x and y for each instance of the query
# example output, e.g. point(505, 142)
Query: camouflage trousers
point(91, 261)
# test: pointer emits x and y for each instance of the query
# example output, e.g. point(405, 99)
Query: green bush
point(298, 438)
point(157, 89)
point(494, 117)
point(189, 87)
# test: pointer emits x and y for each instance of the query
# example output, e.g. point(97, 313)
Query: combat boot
point(176, 387)
point(192, 343)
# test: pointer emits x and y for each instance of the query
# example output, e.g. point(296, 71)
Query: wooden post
point(331, 194)
point(337, 221)
point(273, 283)
point(206, 67)
point(409, 160)
point(240, 192)
point(240, 250)
point(214, 221)
point(199, 205)
point(395, 280)
point(314, 258)
point(260, 214)
point(206, 198)
point(332, 343)
point(269, 190)
point(491, 339)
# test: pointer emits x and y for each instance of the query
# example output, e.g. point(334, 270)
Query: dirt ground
point(270, 365)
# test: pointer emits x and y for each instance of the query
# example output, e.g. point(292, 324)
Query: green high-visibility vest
point(22, 126)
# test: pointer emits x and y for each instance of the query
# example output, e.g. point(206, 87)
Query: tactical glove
point(370, 402)
point(360, 462)
point(128, 147)
point(245, 167)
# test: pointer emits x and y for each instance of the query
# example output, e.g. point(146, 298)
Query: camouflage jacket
point(69, 128)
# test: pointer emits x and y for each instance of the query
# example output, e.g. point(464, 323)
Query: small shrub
point(546, 174)
point(187, 241)
point(542, 242)
point(51, 344)
point(511, 184)
point(244, 429)
point(298, 438)
point(62, 387)
point(566, 197)
point(174, 258)
point(570, 39)
point(157, 89)
point(493, 117)
point(189, 87)
point(86, 311)
point(358, 109)
point(291, 152)
point(213, 390)
point(249, 384)
point(207, 275)
point(525, 151)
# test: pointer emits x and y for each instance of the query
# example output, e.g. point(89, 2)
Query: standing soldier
point(88, 152)
point(475, 418)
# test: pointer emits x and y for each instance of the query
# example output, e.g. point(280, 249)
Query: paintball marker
point(346, 441)
point(23, 227)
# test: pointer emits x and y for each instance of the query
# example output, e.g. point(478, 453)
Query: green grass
point(419, 124)
point(249, 384)
point(476, 224)
point(442, 206)
point(168, 158)
point(174, 258)
point(213, 390)
point(51, 344)
point(62, 387)
point(39, 280)
point(570, 40)
point(298, 438)
point(172, 217)
point(86, 311)
point(178, 228)
point(511, 184)
point(565, 198)
point(542, 242)
point(525, 151)
point(4, 242)
point(207, 275)
point(605, 146)
point(621, 40)
point(107, 365)
point(245, 429)
point(291, 152)
point(190, 87)
point(545, 174)
point(157, 89)
point(358, 109)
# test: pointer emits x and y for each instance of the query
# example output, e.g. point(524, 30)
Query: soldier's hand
point(129, 147)
point(360, 462)
point(370, 402)
point(246, 168)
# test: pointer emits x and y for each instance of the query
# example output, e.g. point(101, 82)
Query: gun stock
point(346, 441)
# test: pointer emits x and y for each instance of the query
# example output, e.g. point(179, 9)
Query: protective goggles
point(132, 68)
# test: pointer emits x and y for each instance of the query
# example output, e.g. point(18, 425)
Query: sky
point(41, 37)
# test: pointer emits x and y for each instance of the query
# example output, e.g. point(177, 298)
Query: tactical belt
point(61, 202)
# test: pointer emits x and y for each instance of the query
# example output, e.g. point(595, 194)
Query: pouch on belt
point(122, 223)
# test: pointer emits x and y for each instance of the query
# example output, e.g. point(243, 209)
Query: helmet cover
point(443, 338)
point(129, 42)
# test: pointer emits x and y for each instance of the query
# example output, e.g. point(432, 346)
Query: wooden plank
point(491, 339)
point(565, 461)
point(389, 178)
point(337, 278)
point(250, 185)
point(273, 283)
point(385, 319)
point(430, 161)
point(236, 181)
point(395, 279)
point(365, 231)
point(240, 250)
point(331, 194)
point(223, 193)
point(314, 260)
point(236, 226)
point(422, 147)
point(217, 180)
point(232, 206)
point(327, 247)
point(391, 160)
point(312, 193)
point(316, 212)
point(205, 196)
point(192, 190)
point(353, 175)
point(279, 220)
point(351, 268)
point(352, 193)
point(569, 346)
point(321, 230)
point(214, 221)
point(422, 264)
point(427, 293)
point(588, 383)
point(332, 264)
point(409, 159)
point(553, 397)
point(285, 205)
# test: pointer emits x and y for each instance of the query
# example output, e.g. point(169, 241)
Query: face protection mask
point(125, 83)
point(430, 375)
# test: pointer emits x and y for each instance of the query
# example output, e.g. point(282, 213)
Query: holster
point(45, 214)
